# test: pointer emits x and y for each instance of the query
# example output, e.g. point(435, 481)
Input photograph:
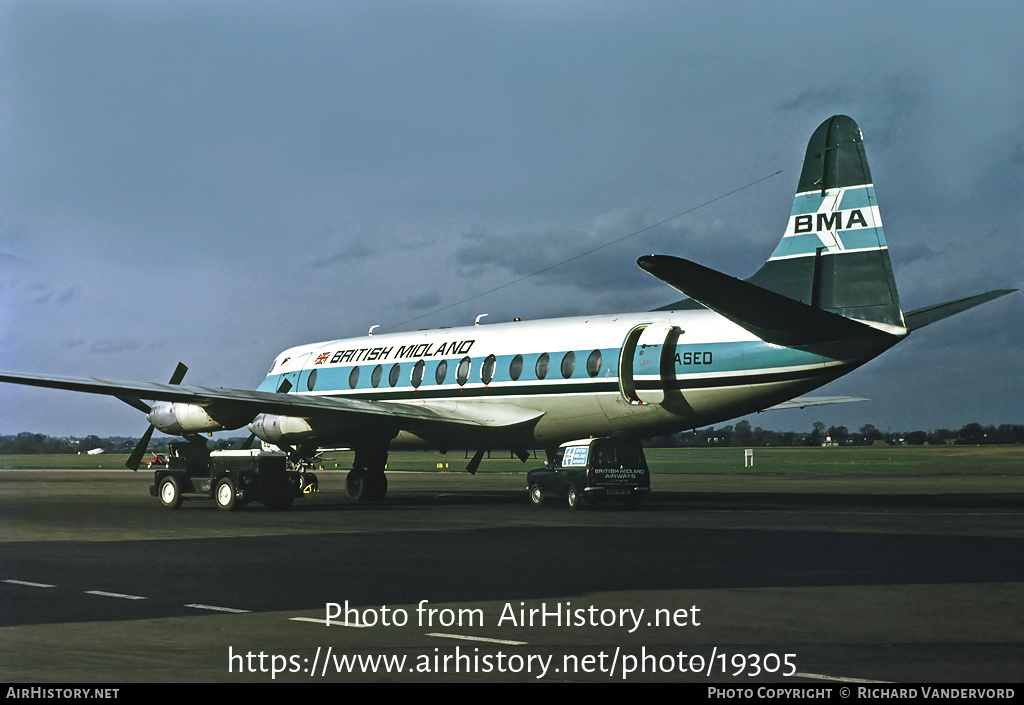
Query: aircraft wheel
point(308, 483)
point(224, 494)
point(170, 493)
point(536, 495)
point(358, 485)
point(357, 482)
point(365, 485)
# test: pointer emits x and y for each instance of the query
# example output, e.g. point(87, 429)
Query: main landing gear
point(366, 481)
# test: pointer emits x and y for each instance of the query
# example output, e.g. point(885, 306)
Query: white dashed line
point(838, 679)
point(119, 595)
point(463, 637)
point(218, 609)
point(25, 582)
point(331, 624)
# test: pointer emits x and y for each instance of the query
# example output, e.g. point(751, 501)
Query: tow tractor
point(231, 478)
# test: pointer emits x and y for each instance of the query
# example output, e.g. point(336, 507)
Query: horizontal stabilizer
point(925, 316)
point(801, 402)
point(770, 316)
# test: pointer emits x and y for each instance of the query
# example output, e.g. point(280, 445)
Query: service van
point(590, 469)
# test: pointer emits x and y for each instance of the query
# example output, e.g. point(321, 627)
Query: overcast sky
point(213, 182)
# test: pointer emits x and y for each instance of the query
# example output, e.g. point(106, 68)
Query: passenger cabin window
point(353, 377)
point(594, 363)
point(441, 372)
point(396, 370)
point(542, 366)
point(417, 373)
point(515, 368)
point(568, 364)
point(487, 369)
point(376, 375)
point(462, 373)
point(311, 381)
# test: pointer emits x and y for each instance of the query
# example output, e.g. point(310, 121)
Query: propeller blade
point(474, 462)
point(135, 459)
point(179, 373)
point(248, 442)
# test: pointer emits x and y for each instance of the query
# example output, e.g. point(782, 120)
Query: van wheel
point(536, 495)
point(576, 500)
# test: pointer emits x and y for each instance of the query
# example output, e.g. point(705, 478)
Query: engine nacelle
point(273, 428)
point(178, 419)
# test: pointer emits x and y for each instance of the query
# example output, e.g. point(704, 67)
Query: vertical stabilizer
point(833, 255)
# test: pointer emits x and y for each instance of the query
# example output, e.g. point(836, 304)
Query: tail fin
point(833, 255)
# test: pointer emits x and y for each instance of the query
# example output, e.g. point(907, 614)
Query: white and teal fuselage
point(641, 373)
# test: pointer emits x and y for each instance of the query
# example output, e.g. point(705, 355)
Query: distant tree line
point(740, 434)
point(32, 443)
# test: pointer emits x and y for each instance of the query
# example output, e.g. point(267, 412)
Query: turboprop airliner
point(824, 303)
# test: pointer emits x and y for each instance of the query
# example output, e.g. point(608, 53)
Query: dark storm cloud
point(235, 178)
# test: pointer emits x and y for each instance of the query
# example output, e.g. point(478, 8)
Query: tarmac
point(456, 578)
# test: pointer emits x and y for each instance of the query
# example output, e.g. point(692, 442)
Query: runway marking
point(478, 638)
point(838, 679)
point(25, 582)
point(122, 596)
point(218, 609)
point(324, 622)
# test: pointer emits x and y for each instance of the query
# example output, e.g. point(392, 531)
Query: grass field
point(880, 461)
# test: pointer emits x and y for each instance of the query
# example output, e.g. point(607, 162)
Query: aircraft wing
point(249, 403)
point(801, 402)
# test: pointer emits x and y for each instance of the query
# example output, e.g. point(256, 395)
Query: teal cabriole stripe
point(724, 357)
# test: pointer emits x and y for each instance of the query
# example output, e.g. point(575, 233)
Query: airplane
point(824, 303)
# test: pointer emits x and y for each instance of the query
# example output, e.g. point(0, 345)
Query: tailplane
point(830, 277)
